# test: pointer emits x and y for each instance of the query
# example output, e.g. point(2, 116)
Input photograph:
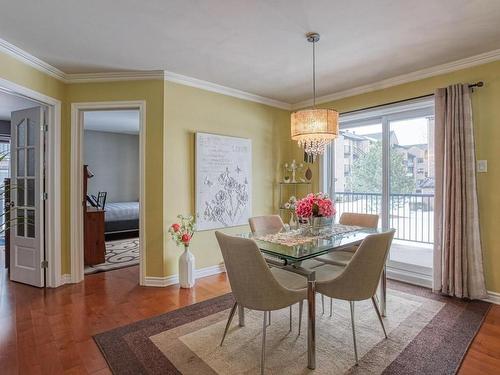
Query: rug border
point(396, 285)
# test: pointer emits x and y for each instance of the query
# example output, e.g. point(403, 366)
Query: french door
point(383, 163)
point(26, 208)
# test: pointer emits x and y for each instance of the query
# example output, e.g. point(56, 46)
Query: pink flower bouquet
point(315, 205)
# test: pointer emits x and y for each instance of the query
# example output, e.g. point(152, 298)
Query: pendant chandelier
point(314, 128)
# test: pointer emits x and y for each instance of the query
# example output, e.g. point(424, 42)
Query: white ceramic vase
point(186, 269)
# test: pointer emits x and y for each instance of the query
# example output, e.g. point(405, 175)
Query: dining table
point(288, 249)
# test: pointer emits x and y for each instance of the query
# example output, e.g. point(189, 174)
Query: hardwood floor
point(50, 331)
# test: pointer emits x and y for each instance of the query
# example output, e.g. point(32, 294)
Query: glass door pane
point(411, 191)
point(357, 180)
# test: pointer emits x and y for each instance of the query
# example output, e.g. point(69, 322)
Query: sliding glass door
point(383, 163)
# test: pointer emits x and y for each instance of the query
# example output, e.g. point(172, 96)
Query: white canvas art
point(223, 181)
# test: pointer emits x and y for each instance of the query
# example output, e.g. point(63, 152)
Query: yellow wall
point(486, 112)
point(152, 92)
point(24, 75)
point(189, 110)
point(175, 112)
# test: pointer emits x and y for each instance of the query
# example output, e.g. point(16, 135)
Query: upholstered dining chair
point(256, 286)
point(266, 223)
point(342, 257)
point(358, 280)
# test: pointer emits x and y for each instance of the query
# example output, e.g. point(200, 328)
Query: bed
point(121, 217)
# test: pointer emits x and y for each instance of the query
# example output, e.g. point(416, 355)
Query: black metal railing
point(412, 215)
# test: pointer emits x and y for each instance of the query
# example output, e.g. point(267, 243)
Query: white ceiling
point(257, 46)
point(10, 103)
point(115, 121)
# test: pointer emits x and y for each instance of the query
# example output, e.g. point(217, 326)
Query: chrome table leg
point(241, 315)
point(383, 292)
point(311, 328)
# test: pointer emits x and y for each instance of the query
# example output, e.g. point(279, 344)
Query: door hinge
point(44, 128)
point(44, 264)
point(45, 196)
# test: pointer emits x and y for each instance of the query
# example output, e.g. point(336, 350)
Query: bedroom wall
point(486, 113)
point(189, 110)
point(113, 158)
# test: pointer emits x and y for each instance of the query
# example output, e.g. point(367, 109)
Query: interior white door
point(26, 229)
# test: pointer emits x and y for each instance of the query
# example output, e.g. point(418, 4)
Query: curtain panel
point(458, 260)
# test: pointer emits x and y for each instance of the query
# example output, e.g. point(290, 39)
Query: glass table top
point(298, 245)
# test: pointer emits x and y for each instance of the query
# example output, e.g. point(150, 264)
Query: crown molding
point(52, 71)
point(135, 75)
point(213, 87)
point(468, 62)
point(29, 59)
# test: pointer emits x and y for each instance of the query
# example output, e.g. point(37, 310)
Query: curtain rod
point(471, 86)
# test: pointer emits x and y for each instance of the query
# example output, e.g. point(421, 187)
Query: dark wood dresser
point(95, 247)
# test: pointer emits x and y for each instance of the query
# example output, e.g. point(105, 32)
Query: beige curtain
point(458, 261)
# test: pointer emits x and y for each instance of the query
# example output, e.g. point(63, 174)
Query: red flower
point(176, 227)
point(185, 238)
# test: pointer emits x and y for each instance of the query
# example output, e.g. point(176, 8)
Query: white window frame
point(383, 115)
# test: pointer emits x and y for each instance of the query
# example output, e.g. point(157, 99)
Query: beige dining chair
point(266, 223)
point(358, 280)
point(256, 286)
point(342, 257)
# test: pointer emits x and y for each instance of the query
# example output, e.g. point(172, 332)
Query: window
point(392, 176)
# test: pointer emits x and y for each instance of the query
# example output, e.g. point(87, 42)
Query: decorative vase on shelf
point(187, 278)
point(309, 174)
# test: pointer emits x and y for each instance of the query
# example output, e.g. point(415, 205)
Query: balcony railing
point(412, 215)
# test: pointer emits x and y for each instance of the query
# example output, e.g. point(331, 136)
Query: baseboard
point(493, 297)
point(174, 279)
point(65, 279)
point(409, 277)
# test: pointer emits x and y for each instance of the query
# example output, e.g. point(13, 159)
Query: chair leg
point(301, 306)
point(354, 332)
point(290, 318)
point(229, 320)
point(331, 307)
point(263, 352)
point(322, 304)
point(379, 315)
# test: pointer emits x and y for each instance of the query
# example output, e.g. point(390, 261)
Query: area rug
point(119, 254)
point(428, 334)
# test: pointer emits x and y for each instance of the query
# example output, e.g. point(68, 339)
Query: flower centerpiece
point(316, 209)
point(182, 233)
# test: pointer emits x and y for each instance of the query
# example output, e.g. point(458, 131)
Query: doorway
point(30, 199)
point(383, 163)
point(94, 191)
point(111, 189)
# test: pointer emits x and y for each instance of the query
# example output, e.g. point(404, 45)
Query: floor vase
point(186, 269)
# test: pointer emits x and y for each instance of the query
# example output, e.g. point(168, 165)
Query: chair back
point(252, 283)
point(360, 220)
point(360, 278)
point(266, 223)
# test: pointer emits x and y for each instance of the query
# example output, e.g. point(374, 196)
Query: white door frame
point(52, 178)
point(76, 216)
